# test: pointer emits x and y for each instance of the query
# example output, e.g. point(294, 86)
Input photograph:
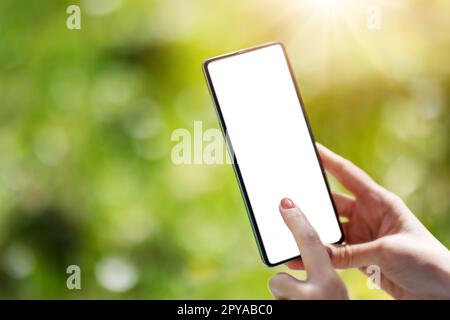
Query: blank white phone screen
point(272, 145)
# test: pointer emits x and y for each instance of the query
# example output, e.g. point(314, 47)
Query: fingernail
point(287, 203)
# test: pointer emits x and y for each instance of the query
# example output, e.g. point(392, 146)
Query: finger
point(285, 287)
point(345, 227)
point(354, 255)
point(296, 264)
point(353, 178)
point(314, 255)
point(344, 204)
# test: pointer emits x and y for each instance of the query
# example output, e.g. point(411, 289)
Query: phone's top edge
point(241, 51)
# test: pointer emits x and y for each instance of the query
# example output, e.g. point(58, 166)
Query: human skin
point(380, 230)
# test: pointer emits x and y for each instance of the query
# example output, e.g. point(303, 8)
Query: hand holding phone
point(383, 238)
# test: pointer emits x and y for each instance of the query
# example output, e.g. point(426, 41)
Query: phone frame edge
point(236, 169)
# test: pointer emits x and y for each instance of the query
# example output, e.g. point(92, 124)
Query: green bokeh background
point(86, 117)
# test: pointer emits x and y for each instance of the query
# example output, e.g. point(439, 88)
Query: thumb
point(354, 255)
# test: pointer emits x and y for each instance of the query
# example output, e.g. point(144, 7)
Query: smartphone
point(270, 142)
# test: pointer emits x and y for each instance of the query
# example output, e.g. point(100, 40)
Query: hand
point(382, 231)
point(323, 281)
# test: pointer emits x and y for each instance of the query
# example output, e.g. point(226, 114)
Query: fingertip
point(274, 282)
point(287, 203)
point(324, 154)
point(295, 264)
point(272, 288)
point(321, 148)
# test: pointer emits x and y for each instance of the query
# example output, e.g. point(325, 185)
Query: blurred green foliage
point(86, 116)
